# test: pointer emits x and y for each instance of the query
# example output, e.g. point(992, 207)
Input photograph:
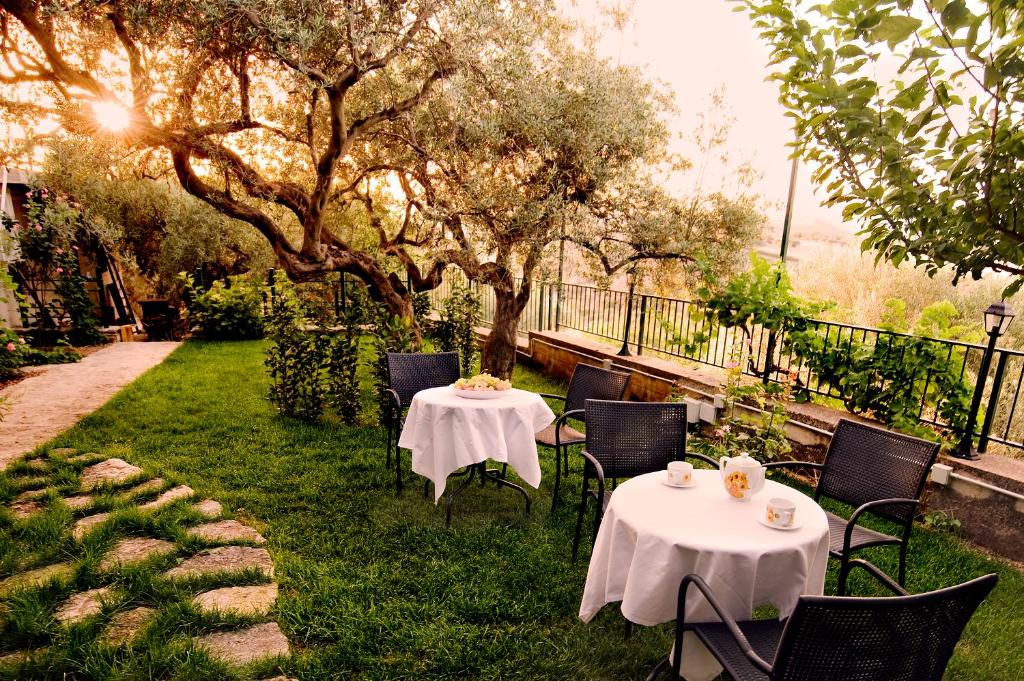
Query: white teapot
point(742, 476)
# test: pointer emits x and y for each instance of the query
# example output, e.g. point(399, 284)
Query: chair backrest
point(902, 638)
point(594, 383)
point(411, 372)
point(633, 438)
point(864, 463)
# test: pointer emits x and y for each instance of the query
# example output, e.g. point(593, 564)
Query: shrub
point(460, 313)
point(15, 353)
point(296, 358)
point(225, 312)
point(391, 334)
point(343, 360)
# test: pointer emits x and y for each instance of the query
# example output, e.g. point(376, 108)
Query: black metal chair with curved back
point(623, 440)
point(409, 373)
point(876, 471)
point(894, 638)
point(587, 382)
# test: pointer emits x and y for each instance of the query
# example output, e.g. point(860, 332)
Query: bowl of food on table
point(481, 387)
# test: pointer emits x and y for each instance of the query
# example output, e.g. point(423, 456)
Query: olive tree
point(911, 111)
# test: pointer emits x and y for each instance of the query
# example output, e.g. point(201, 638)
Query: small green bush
point(460, 314)
point(225, 312)
point(296, 357)
point(343, 358)
point(15, 353)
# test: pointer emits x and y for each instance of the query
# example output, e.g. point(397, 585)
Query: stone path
point(257, 641)
point(42, 406)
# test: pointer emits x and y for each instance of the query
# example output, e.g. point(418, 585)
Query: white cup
point(680, 473)
point(780, 512)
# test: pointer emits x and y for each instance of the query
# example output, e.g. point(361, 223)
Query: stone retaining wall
point(986, 496)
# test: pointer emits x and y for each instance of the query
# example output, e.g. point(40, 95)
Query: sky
point(695, 46)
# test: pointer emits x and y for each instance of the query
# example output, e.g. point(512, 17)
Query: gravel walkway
point(44, 405)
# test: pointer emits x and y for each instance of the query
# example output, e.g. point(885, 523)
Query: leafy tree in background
point(911, 111)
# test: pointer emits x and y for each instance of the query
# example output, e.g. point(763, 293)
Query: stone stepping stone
point(154, 485)
point(168, 497)
point(246, 645)
point(256, 601)
point(84, 525)
point(226, 531)
point(82, 605)
point(208, 508)
point(135, 550)
point(125, 626)
point(224, 559)
point(23, 509)
point(111, 471)
point(79, 502)
point(20, 657)
point(31, 495)
point(37, 577)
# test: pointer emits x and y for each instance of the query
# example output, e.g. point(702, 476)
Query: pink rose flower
point(60, 251)
point(11, 347)
point(60, 270)
point(21, 340)
point(39, 228)
point(74, 248)
point(731, 365)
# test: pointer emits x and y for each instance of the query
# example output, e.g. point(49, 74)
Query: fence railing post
point(624, 352)
point(540, 307)
point(643, 325)
point(993, 401)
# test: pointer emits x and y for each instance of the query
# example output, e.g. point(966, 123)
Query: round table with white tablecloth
point(652, 535)
point(447, 432)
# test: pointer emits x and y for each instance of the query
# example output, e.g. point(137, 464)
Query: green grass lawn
point(372, 585)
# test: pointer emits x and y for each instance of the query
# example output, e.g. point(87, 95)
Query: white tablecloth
point(653, 535)
point(446, 432)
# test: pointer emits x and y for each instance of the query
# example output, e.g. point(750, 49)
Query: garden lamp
point(997, 319)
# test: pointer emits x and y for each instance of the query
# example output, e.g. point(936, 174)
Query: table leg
point(485, 474)
point(499, 479)
point(450, 501)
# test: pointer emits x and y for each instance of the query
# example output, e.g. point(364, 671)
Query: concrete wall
point(986, 496)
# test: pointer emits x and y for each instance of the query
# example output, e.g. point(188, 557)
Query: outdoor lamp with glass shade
point(997, 319)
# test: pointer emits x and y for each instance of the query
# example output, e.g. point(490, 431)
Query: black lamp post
point(997, 319)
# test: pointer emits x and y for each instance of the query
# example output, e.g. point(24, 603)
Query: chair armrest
point(794, 464)
point(885, 579)
point(394, 400)
point(870, 506)
point(703, 457)
point(598, 468)
point(552, 397)
point(728, 620)
point(560, 421)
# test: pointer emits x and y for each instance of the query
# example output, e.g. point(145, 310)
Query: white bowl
point(481, 394)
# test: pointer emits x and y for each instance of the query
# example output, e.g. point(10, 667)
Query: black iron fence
point(641, 323)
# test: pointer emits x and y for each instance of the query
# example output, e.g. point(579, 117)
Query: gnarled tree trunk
point(499, 352)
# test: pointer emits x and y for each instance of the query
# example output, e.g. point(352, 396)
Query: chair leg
point(579, 521)
point(659, 669)
point(426, 488)
point(844, 571)
point(558, 478)
point(902, 578)
point(398, 472)
point(389, 428)
point(598, 516)
point(628, 630)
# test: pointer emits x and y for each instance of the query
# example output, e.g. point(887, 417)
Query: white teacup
point(780, 513)
point(680, 473)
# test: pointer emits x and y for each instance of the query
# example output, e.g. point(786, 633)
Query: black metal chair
point(587, 382)
point(625, 439)
point(409, 373)
point(879, 472)
point(895, 638)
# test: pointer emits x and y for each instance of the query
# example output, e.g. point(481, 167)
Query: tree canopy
point(911, 111)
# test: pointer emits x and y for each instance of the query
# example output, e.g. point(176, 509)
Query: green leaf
point(956, 15)
point(895, 29)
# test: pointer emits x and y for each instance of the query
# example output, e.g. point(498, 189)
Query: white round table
point(652, 535)
point(446, 432)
